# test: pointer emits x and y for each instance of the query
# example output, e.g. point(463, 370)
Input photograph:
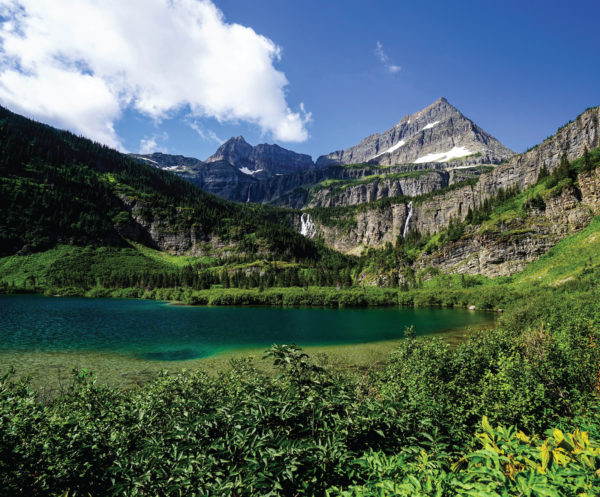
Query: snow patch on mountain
point(454, 153)
point(149, 160)
point(245, 170)
point(429, 126)
point(391, 149)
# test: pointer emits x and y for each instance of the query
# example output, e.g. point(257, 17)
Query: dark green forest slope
point(58, 189)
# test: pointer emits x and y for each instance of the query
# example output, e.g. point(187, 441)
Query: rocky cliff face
point(380, 187)
point(373, 228)
point(383, 186)
point(262, 161)
point(501, 250)
point(435, 134)
point(508, 247)
point(156, 233)
point(523, 170)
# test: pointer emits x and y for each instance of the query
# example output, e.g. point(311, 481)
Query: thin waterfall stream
point(410, 213)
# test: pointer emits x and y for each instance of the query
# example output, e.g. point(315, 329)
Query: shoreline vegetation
point(489, 299)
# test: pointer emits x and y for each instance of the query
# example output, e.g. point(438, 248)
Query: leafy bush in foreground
point(409, 430)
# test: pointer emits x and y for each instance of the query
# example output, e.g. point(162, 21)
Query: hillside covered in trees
point(57, 188)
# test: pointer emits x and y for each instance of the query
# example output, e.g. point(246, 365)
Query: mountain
point(438, 137)
point(438, 133)
point(217, 177)
point(59, 189)
point(510, 235)
point(173, 163)
point(263, 161)
point(236, 171)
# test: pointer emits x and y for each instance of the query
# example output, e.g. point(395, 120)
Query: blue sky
point(517, 69)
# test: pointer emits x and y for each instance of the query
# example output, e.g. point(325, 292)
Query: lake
point(125, 342)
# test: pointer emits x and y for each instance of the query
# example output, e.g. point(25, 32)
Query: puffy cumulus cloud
point(79, 63)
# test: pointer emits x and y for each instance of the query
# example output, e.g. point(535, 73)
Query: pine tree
point(543, 174)
point(586, 160)
point(469, 216)
point(294, 281)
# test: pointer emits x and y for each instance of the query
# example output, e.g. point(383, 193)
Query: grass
point(171, 260)
point(101, 262)
point(566, 259)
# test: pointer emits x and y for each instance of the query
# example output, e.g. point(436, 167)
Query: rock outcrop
point(508, 247)
point(438, 133)
point(384, 186)
point(157, 233)
point(262, 161)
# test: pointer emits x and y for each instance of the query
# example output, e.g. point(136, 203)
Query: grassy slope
point(566, 259)
point(564, 262)
point(102, 262)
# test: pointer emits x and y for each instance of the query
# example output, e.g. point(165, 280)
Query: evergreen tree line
point(198, 278)
point(483, 210)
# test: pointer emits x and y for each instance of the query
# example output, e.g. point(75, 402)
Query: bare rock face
point(438, 133)
point(589, 183)
point(373, 228)
point(567, 213)
point(264, 158)
point(358, 185)
point(158, 234)
point(380, 187)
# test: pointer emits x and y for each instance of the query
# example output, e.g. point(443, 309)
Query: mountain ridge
point(437, 133)
point(269, 160)
point(263, 173)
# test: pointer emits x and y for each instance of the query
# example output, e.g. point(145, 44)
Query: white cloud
point(79, 63)
point(150, 145)
point(207, 136)
point(382, 56)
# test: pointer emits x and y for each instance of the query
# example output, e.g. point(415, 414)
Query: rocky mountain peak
point(263, 160)
point(437, 133)
point(232, 150)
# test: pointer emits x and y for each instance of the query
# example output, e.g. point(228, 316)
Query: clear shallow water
point(125, 341)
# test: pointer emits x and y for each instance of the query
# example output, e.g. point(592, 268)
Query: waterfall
point(410, 213)
point(248, 194)
point(308, 228)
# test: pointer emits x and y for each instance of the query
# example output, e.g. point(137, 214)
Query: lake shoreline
point(352, 297)
point(127, 341)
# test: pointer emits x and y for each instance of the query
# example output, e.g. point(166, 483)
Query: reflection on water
point(125, 342)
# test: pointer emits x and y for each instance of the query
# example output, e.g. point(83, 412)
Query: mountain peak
point(268, 160)
point(437, 133)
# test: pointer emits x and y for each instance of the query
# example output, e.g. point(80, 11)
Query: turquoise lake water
point(126, 340)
